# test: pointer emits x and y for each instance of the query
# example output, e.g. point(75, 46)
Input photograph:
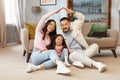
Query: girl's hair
point(44, 29)
point(52, 44)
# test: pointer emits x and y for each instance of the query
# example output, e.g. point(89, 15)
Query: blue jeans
point(47, 58)
point(64, 53)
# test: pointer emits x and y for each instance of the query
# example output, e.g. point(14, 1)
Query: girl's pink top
point(38, 41)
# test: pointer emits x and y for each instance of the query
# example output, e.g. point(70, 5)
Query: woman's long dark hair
point(44, 29)
point(52, 44)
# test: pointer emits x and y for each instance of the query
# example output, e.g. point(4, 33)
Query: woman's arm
point(44, 18)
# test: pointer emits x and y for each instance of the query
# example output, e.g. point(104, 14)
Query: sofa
point(110, 42)
point(105, 43)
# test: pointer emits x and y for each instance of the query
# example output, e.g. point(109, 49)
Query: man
point(74, 39)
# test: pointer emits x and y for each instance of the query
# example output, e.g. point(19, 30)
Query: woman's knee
point(53, 51)
point(36, 58)
point(35, 62)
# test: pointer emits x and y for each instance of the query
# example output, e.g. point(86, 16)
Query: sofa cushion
point(97, 31)
point(31, 29)
point(104, 42)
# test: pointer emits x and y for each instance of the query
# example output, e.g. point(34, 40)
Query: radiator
point(11, 33)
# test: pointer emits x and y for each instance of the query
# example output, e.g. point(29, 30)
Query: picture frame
point(47, 2)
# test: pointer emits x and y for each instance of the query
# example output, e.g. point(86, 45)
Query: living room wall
point(62, 3)
point(31, 17)
point(115, 16)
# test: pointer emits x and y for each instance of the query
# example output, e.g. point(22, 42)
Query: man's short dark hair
point(64, 18)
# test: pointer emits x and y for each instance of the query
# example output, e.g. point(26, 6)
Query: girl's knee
point(65, 50)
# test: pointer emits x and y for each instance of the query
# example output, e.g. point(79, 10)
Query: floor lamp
point(36, 10)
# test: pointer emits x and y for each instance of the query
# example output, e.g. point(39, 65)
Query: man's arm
point(77, 27)
point(80, 16)
point(80, 38)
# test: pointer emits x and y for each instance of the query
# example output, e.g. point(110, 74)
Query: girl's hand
point(70, 50)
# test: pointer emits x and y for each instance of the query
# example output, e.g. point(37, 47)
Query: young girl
point(58, 43)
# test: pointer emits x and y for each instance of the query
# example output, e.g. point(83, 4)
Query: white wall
point(115, 16)
point(31, 17)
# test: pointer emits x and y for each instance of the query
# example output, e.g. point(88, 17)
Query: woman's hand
point(43, 50)
point(58, 10)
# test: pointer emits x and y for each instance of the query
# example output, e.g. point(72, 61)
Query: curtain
point(2, 25)
point(18, 17)
point(16, 14)
point(18, 11)
point(20, 6)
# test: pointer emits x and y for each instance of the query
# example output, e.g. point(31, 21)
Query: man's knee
point(95, 46)
point(72, 57)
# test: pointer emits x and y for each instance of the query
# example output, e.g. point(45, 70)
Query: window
point(9, 11)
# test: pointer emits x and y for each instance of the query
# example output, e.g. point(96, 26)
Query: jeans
point(47, 58)
point(64, 53)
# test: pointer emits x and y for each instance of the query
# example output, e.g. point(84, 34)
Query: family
point(62, 50)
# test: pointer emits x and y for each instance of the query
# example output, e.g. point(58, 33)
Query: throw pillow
point(97, 31)
point(99, 34)
point(31, 29)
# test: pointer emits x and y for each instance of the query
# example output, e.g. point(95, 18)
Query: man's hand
point(69, 11)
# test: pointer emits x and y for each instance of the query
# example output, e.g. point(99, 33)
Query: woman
point(58, 43)
point(42, 58)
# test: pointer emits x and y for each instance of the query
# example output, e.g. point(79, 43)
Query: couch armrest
point(114, 34)
point(25, 39)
